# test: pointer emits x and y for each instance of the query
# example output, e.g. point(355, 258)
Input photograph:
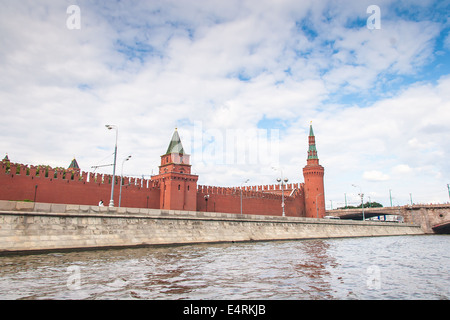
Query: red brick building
point(313, 175)
point(173, 188)
point(178, 187)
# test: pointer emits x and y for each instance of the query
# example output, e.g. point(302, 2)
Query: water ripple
point(407, 267)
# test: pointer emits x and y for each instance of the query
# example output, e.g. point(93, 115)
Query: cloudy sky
point(241, 80)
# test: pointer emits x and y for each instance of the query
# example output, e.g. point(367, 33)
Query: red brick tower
point(178, 185)
point(313, 175)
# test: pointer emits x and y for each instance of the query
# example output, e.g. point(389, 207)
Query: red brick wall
point(140, 194)
point(253, 202)
point(89, 188)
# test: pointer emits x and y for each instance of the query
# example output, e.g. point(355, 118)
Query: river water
point(402, 267)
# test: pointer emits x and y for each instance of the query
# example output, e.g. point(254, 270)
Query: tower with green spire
point(175, 159)
point(312, 151)
point(313, 174)
point(175, 145)
point(178, 186)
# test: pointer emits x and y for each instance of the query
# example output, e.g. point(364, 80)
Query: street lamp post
point(121, 177)
point(206, 202)
point(362, 205)
point(345, 196)
point(111, 126)
point(362, 200)
point(241, 192)
point(283, 182)
point(390, 196)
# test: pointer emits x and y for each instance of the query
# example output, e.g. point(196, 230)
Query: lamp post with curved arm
point(121, 178)
point(113, 182)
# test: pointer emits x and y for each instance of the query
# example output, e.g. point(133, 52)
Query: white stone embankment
point(26, 227)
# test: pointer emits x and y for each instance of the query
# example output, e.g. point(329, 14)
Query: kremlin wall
point(173, 188)
point(61, 210)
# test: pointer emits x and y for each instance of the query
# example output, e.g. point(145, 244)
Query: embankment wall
point(28, 227)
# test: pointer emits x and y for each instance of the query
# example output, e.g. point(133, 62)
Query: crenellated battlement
point(57, 174)
point(262, 191)
point(275, 187)
point(59, 185)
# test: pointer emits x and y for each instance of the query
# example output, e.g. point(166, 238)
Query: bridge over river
point(434, 218)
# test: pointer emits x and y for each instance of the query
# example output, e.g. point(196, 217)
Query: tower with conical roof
point(178, 186)
point(74, 167)
point(313, 174)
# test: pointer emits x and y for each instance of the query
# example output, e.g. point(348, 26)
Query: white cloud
point(149, 67)
point(402, 169)
point(447, 41)
point(375, 175)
